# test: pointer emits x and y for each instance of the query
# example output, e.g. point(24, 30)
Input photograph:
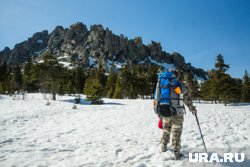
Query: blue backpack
point(163, 95)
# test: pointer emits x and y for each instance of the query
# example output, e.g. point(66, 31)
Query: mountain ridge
point(77, 45)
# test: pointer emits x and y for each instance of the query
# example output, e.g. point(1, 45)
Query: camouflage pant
point(172, 124)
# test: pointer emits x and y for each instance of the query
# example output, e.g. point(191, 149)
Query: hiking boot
point(177, 155)
point(164, 148)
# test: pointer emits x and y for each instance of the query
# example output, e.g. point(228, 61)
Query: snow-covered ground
point(120, 133)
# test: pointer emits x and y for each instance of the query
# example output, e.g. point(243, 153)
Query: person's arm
point(187, 99)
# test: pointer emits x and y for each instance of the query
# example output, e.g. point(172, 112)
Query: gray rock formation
point(29, 48)
point(77, 45)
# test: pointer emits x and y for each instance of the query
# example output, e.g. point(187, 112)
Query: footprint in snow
point(66, 150)
point(118, 152)
point(7, 141)
point(130, 158)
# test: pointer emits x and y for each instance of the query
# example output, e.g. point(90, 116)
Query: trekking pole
point(200, 132)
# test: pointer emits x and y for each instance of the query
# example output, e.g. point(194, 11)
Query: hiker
point(170, 95)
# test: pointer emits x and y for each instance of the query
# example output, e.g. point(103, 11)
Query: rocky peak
point(76, 33)
point(4, 55)
point(22, 51)
point(178, 59)
point(96, 27)
point(79, 27)
point(155, 50)
point(78, 45)
point(56, 38)
point(6, 50)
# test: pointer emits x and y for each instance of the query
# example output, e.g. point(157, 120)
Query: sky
point(197, 29)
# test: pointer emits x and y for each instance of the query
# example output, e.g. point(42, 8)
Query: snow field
point(120, 133)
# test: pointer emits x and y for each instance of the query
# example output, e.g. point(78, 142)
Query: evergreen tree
point(131, 92)
point(111, 81)
point(17, 80)
point(71, 83)
point(118, 94)
point(145, 79)
point(51, 73)
point(80, 78)
point(70, 87)
point(220, 65)
point(222, 87)
point(61, 89)
point(125, 81)
point(231, 90)
point(4, 77)
point(214, 86)
point(152, 78)
point(100, 75)
point(206, 91)
point(93, 89)
point(236, 90)
point(30, 78)
point(142, 85)
point(136, 85)
point(245, 97)
point(218, 78)
point(193, 85)
point(3, 71)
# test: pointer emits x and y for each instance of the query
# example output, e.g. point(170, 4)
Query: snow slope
point(120, 133)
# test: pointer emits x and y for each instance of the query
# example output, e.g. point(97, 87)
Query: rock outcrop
point(77, 45)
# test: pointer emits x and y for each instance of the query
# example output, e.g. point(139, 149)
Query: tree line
point(221, 87)
point(49, 76)
point(131, 81)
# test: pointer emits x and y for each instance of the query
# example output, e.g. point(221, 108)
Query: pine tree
point(218, 77)
point(206, 91)
point(245, 97)
point(17, 80)
point(4, 77)
point(111, 81)
point(236, 90)
point(118, 94)
point(136, 86)
point(100, 73)
point(61, 88)
point(152, 79)
point(30, 78)
point(222, 87)
point(220, 65)
point(132, 93)
point(225, 89)
point(79, 79)
point(50, 73)
point(214, 86)
point(71, 82)
point(125, 80)
point(143, 81)
point(142, 85)
point(3, 71)
point(93, 89)
point(193, 85)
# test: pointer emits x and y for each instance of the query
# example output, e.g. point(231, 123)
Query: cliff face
point(78, 45)
point(22, 51)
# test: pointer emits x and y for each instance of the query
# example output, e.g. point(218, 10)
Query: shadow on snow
point(85, 102)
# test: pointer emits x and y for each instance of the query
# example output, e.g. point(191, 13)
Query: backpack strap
point(167, 86)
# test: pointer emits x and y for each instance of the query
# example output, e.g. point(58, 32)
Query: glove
point(193, 110)
point(160, 124)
